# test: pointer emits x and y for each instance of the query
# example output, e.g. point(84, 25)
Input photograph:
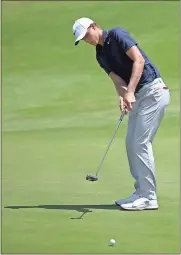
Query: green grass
point(59, 111)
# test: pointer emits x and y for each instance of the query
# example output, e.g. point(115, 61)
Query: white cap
point(80, 28)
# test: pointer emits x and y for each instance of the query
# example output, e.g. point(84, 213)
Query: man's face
point(92, 35)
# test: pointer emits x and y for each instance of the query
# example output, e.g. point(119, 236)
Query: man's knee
point(139, 146)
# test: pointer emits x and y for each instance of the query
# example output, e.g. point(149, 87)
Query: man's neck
point(101, 41)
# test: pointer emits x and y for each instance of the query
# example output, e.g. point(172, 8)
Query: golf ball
point(112, 242)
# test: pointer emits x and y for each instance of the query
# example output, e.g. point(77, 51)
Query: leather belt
point(165, 87)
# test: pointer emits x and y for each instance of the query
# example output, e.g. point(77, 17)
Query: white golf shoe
point(141, 203)
point(130, 199)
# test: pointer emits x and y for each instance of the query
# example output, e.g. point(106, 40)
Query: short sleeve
point(125, 40)
point(103, 63)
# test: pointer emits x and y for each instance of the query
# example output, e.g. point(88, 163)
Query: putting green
point(59, 112)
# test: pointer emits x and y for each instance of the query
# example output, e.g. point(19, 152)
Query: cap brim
point(80, 38)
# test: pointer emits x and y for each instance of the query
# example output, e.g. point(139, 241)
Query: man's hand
point(122, 105)
point(129, 99)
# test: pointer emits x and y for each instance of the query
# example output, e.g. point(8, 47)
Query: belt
point(139, 87)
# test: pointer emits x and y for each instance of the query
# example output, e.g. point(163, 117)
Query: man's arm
point(137, 69)
point(119, 83)
point(121, 88)
point(129, 46)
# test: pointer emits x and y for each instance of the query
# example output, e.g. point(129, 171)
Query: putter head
point(91, 177)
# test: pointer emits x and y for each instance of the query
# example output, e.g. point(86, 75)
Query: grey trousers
point(144, 121)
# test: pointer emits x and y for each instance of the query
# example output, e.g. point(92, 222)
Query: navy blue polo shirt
point(112, 57)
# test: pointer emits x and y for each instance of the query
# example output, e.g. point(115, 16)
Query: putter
point(93, 178)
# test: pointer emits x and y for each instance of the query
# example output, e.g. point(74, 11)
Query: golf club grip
point(117, 127)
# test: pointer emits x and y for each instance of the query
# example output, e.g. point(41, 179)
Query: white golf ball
point(112, 242)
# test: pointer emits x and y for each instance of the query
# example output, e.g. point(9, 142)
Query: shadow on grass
point(79, 208)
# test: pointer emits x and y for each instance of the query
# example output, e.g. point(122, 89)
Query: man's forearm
point(121, 90)
point(119, 83)
point(136, 75)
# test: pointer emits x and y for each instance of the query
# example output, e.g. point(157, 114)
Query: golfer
point(142, 94)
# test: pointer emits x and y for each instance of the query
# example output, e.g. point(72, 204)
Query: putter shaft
point(117, 127)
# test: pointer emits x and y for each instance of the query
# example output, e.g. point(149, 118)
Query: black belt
point(141, 86)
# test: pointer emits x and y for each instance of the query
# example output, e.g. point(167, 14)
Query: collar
point(104, 35)
point(99, 47)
